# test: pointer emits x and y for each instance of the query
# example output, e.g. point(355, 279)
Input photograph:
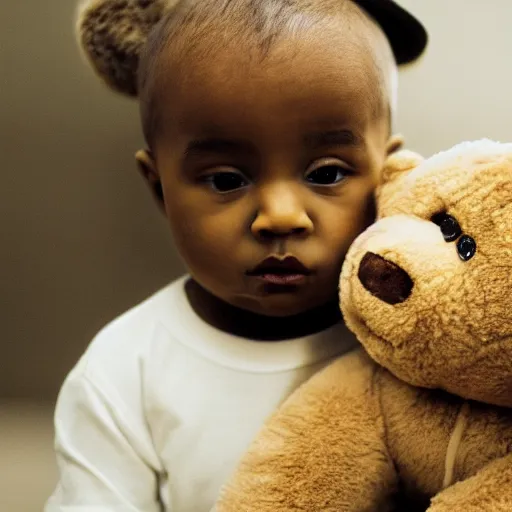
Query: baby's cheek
point(207, 243)
point(345, 224)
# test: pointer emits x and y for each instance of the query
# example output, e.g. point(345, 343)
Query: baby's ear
point(149, 172)
point(397, 165)
point(112, 33)
point(395, 143)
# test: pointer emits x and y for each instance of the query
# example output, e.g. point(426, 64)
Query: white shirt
point(160, 408)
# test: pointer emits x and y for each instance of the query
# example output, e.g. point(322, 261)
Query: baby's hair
point(125, 39)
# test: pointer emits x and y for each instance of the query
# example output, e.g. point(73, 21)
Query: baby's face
point(272, 159)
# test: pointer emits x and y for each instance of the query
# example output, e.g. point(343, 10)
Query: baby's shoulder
point(121, 368)
point(119, 349)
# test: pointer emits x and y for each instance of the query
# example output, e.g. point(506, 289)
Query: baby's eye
point(226, 181)
point(450, 228)
point(328, 171)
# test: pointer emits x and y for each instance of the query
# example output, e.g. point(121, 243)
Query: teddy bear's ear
point(111, 34)
point(397, 164)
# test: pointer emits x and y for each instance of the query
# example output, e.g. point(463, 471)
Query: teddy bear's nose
point(384, 279)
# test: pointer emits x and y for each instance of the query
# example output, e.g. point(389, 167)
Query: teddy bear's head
point(428, 288)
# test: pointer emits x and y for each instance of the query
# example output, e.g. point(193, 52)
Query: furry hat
point(112, 33)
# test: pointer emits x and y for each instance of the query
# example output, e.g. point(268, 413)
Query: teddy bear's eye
point(450, 228)
point(466, 247)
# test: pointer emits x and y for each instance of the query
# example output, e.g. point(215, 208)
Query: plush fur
point(421, 416)
point(111, 35)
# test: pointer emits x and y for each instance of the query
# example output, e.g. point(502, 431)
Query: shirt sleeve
point(105, 455)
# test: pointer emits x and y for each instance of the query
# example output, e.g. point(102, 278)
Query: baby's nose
point(384, 279)
point(266, 226)
point(281, 215)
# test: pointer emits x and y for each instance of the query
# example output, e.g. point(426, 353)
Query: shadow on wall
point(82, 241)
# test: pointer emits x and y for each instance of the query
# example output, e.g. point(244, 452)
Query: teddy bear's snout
point(384, 279)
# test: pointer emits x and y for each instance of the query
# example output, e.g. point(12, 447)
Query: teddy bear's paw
point(490, 490)
point(476, 507)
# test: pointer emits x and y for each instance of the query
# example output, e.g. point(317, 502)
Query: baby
point(267, 123)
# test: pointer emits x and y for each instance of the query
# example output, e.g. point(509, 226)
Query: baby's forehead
point(223, 54)
point(195, 30)
point(186, 54)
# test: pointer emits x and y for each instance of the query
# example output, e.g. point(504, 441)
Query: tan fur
point(426, 423)
point(328, 453)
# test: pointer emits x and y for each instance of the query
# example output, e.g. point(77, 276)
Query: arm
point(490, 490)
point(323, 450)
point(104, 454)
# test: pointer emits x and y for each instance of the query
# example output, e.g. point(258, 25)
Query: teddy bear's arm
point(490, 490)
point(323, 450)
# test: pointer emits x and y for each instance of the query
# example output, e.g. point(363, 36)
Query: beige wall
point(81, 240)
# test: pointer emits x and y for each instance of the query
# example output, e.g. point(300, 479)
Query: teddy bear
point(419, 417)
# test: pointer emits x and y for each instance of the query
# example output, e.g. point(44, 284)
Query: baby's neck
point(240, 322)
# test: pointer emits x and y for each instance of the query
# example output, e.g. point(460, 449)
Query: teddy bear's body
point(357, 417)
point(421, 417)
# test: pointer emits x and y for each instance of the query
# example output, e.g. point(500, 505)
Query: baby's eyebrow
point(314, 140)
point(333, 138)
point(214, 145)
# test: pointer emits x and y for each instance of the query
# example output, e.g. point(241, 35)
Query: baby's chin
point(282, 304)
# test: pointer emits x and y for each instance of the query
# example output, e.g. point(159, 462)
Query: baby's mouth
point(288, 271)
